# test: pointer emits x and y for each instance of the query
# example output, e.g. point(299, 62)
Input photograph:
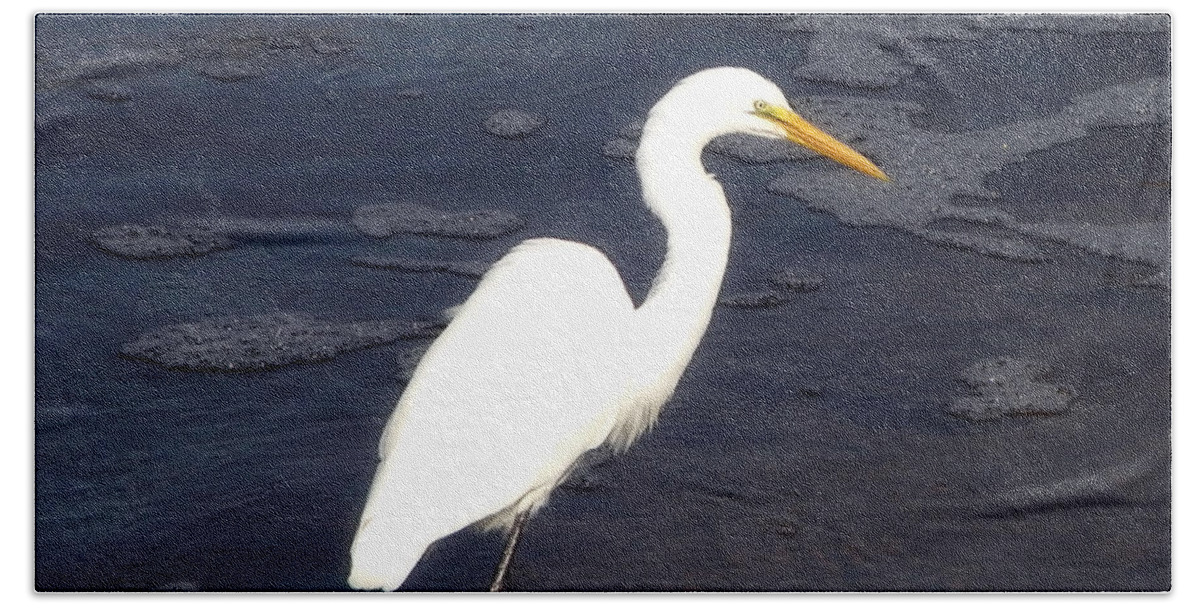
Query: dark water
point(808, 446)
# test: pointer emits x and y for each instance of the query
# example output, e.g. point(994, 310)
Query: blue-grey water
point(809, 445)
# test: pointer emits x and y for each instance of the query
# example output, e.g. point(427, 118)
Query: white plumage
point(548, 358)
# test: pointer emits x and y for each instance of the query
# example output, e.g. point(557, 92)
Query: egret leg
point(513, 535)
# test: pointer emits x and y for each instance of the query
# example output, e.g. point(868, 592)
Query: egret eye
point(760, 105)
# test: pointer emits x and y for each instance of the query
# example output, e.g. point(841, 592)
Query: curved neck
point(692, 208)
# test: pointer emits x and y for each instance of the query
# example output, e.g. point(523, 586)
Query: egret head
point(725, 100)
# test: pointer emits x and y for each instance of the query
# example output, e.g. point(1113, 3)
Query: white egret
point(549, 358)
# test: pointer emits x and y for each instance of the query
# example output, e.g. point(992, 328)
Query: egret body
point(550, 358)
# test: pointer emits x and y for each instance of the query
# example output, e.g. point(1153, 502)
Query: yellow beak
point(804, 133)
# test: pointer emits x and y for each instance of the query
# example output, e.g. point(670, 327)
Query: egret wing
point(527, 376)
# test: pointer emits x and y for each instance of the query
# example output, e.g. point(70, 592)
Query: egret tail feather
point(381, 558)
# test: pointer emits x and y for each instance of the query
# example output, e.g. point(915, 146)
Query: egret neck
point(691, 205)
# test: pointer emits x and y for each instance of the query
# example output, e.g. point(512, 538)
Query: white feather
point(548, 357)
